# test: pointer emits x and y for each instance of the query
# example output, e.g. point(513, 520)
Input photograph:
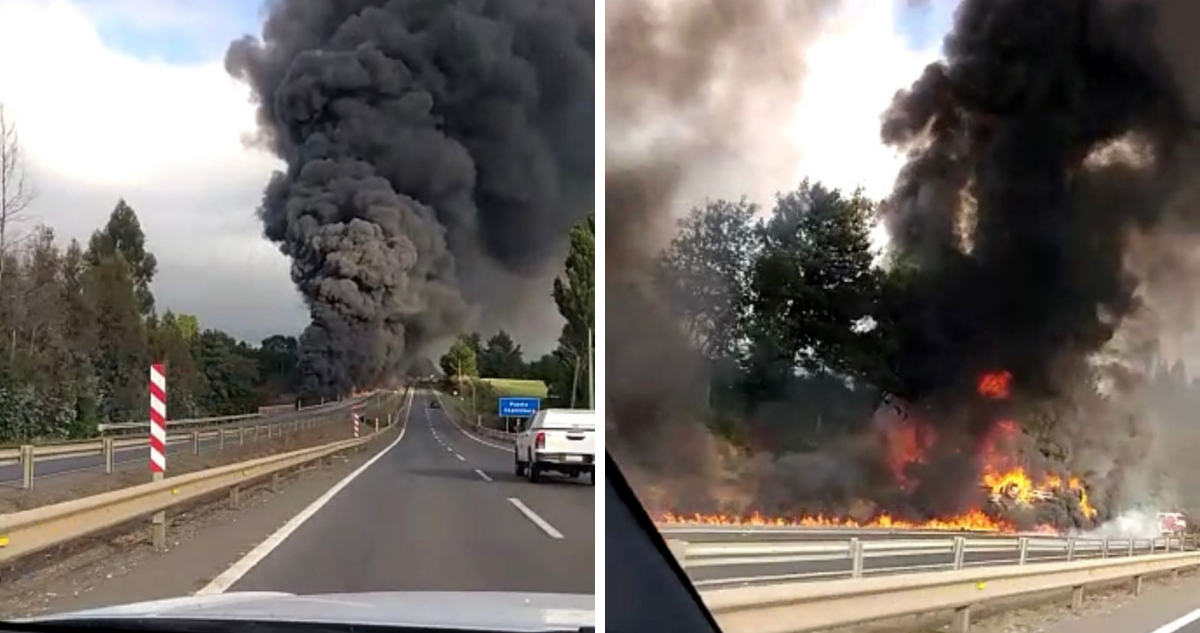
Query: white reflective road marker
point(537, 520)
point(1171, 627)
point(222, 583)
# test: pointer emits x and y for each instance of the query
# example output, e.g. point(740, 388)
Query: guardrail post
point(856, 558)
point(235, 497)
point(275, 482)
point(1130, 553)
point(220, 439)
point(27, 466)
point(108, 446)
point(678, 549)
point(1104, 548)
point(960, 547)
point(962, 620)
point(376, 425)
point(1023, 544)
point(1077, 598)
point(1070, 549)
point(1137, 586)
point(158, 531)
point(242, 436)
point(195, 442)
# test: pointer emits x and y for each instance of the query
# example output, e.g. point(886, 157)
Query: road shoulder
point(1163, 602)
point(203, 542)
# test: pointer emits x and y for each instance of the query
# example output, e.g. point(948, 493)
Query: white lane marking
point(537, 520)
point(1175, 625)
point(460, 457)
point(223, 582)
point(483, 474)
point(464, 431)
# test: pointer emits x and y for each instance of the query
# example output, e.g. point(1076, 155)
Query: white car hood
point(496, 611)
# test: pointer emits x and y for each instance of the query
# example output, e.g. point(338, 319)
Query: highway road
point(10, 474)
point(436, 510)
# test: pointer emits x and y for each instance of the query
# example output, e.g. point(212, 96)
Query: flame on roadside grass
point(906, 441)
point(973, 520)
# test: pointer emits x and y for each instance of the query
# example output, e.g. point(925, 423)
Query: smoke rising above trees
point(1046, 206)
point(437, 152)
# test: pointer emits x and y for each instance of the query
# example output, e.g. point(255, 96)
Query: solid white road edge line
point(537, 520)
point(1175, 625)
point(464, 431)
point(223, 582)
point(483, 474)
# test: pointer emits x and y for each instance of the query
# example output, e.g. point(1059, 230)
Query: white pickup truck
point(561, 440)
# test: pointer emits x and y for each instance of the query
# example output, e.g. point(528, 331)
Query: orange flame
point(905, 443)
point(974, 520)
point(995, 385)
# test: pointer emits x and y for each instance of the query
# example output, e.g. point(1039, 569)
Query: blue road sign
point(519, 407)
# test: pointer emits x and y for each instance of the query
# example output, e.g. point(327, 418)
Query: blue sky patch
point(173, 31)
point(923, 24)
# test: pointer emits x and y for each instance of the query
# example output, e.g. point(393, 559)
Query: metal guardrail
point(479, 428)
point(801, 607)
point(30, 531)
point(855, 553)
point(195, 431)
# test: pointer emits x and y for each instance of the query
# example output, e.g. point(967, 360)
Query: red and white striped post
point(158, 445)
point(158, 420)
point(356, 421)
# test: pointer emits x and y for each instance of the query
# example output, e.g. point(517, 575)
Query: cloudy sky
point(129, 98)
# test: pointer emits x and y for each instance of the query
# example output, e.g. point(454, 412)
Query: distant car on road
point(435, 404)
point(560, 440)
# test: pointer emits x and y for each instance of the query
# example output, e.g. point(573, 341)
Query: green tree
point(575, 295)
point(815, 294)
point(121, 353)
point(187, 385)
point(123, 234)
point(501, 358)
point(279, 357)
point(230, 369)
point(706, 273)
point(460, 361)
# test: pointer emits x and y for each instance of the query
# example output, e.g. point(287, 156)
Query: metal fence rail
point(231, 429)
point(29, 531)
point(801, 607)
point(476, 427)
point(720, 562)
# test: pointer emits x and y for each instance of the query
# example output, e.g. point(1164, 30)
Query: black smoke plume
point(437, 153)
point(1045, 217)
point(1053, 139)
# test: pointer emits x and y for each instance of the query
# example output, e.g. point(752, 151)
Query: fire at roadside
point(1043, 218)
point(1015, 493)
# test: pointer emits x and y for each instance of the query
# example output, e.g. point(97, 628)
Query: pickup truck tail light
point(540, 440)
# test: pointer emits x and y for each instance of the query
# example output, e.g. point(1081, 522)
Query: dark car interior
point(646, 590)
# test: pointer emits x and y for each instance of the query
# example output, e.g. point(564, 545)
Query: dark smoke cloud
point(688, 83)
point(438, 152)
point(1052, 136)
point(1048, 208)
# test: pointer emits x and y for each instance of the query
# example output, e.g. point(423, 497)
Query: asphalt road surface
point(436, 510)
